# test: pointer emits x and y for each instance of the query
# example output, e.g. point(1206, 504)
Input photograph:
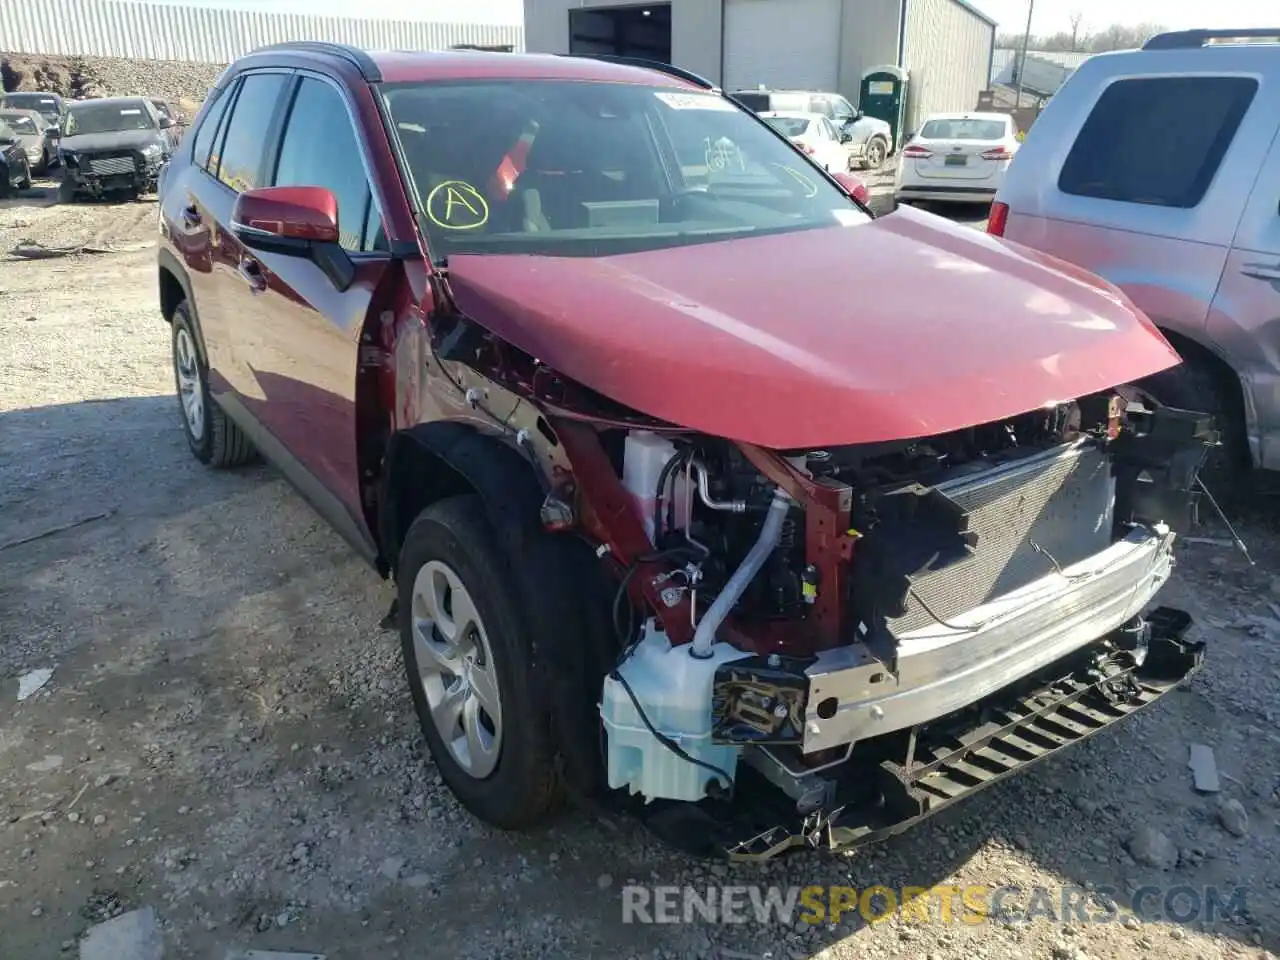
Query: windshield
point(106, 118)
point(788, 126)
point(44, 105)
point(575, 168)
point(23, 126)
point(964, 129)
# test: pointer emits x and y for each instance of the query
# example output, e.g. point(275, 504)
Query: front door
point(296, 334)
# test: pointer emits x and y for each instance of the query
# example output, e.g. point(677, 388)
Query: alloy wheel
point(456, 669)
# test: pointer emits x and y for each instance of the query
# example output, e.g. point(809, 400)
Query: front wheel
point(1196, 386)
point(213, 439)
point(877, 150)
point(468, 657)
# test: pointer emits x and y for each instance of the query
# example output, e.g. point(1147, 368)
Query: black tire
point(66, 191)
point(218, 442)
point(524, 788)
point(25, 182)
point(1197, 386)
point(877, 153)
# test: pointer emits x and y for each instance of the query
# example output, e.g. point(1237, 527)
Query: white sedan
point(815, 135)
point(956, 157)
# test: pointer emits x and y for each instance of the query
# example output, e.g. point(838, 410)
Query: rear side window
point(1157, 140)
point(208, 130)
point(319, 116)
point(246, 142)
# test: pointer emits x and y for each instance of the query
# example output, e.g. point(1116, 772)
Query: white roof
point(792, 115)
point(975, 115)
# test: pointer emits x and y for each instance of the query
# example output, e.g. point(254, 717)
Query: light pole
point(1022, 63)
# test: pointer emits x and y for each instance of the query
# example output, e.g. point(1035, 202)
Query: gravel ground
point(227, 739)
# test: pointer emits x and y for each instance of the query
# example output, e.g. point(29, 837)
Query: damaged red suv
point(704, 492)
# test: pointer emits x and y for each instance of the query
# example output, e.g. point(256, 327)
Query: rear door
point(296, 334)
point(238, 163)
point(1143, 179)
point(1244, 320)
point(958, 149)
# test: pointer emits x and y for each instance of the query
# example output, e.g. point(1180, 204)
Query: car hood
point(896, 328)
point(115, 140)
point(31, 141)
point(868, 127)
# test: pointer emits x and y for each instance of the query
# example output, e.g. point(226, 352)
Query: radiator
point(1062, 500)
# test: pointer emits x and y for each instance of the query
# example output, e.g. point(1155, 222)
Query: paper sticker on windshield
point(130, 112)
point(693, 101)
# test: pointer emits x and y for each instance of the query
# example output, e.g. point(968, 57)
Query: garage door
point(784, 44)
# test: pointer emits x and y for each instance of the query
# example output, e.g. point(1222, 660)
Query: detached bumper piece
point(888, 784)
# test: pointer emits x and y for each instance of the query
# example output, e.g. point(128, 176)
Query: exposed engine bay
point(967, 564)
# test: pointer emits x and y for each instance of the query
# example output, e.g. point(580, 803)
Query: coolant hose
point(766, 543)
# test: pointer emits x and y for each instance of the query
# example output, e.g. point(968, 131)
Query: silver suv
point(1159, 170)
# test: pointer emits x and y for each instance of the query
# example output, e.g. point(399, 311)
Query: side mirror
point(165, 123)
point(853, 186)
point(7, 141)
point(294, 222)
point(846, 136)
point(911, 135)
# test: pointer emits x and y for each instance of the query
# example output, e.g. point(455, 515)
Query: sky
point(1051, 16)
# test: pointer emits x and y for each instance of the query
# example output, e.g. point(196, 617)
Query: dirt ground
point(227, 737)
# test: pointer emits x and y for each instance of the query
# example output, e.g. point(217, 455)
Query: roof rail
point(672, 71)
point(353, 55)
point(1189, 39)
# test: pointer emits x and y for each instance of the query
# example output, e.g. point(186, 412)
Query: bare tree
point(1120, 37)
point(1075, 19)
point(1115, 37)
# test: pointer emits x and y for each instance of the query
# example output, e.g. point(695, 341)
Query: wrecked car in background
point(29, 128)
point(112, 145)
point(672, 519)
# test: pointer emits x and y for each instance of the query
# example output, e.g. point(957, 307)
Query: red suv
point(698, 484)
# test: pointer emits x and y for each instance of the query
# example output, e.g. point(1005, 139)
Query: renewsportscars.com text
point(945, 904)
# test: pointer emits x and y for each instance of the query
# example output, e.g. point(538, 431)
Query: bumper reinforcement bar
point(891, 783)
point(1002, 735)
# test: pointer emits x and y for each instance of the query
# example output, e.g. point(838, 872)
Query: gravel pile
point(108, 76)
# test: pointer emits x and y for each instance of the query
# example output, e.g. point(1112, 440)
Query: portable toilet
point(883, 94)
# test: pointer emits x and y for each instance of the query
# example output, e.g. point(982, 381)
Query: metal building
point(945, 45)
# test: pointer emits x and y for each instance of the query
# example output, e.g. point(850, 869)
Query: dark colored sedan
point(15, 170)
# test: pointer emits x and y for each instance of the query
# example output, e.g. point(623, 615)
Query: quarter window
point(245, 144)
point(319, 115)
point(1157, 140)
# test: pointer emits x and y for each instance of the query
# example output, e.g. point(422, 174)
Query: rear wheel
point(214, 440)
point(468, 656)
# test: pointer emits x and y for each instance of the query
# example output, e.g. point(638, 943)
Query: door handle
point(1260, 271)
point(251, 273)
point(191, 215)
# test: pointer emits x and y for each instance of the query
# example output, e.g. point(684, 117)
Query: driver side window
point(319, 115)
